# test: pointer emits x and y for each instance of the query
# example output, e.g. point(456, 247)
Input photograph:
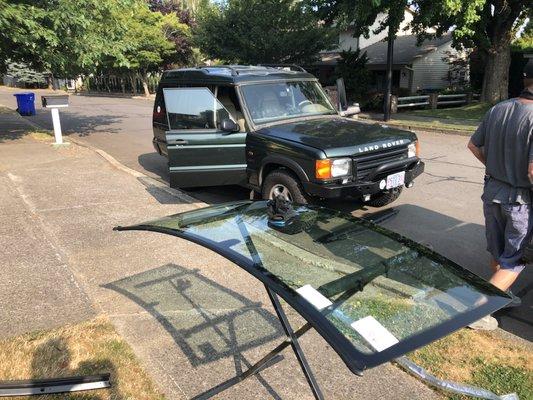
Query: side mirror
point(227, 125)
point(351, 110)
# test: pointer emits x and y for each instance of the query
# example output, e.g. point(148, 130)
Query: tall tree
point(525, 41)
point(63, 37)
point(486, 25)
point(149, 41)
point(360, 15)
point(181, 37)
point(262, 31)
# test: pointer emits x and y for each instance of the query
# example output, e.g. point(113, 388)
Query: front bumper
point(358, 189)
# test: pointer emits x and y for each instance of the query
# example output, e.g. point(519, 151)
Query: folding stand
point(274, 356)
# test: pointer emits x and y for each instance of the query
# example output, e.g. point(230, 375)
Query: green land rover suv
point(274, 130)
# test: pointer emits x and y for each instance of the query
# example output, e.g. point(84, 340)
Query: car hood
point(339, 137)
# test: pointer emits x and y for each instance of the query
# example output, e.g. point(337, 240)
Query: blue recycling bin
point(25, 103)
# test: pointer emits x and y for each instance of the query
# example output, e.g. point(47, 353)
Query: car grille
point(365, 164)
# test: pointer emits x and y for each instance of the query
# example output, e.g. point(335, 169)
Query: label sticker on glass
point(314, 297)
point(374, 333)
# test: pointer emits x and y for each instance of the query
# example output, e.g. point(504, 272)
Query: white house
point(347, 41)
point(415, 67)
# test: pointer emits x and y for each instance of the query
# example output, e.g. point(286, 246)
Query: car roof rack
point(209, 68)
point(291, 67)
point(241, 69)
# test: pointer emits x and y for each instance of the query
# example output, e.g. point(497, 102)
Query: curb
point(419, 128)
point(182, 196)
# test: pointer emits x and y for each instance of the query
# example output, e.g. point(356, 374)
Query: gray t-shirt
point(506, 137)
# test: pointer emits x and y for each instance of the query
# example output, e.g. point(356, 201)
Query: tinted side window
point(193, 108)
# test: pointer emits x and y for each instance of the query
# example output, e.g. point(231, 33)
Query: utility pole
point(390, 57)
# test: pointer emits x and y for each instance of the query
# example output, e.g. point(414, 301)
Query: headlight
point(341, 167)
point(413, 149)
point(327, 169)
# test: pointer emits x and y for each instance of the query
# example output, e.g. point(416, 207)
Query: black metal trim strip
point(53, 385)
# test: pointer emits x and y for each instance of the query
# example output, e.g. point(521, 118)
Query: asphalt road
point(443, 209)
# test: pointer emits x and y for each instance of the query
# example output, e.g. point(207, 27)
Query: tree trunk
point(133, 84)
point(496, 77)
point(50, 81)
point(144, 79)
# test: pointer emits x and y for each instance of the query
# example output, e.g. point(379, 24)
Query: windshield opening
point(269, 102)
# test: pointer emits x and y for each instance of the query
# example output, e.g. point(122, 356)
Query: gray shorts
point(508, 228)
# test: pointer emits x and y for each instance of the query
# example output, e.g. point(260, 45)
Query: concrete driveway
point(443, 210)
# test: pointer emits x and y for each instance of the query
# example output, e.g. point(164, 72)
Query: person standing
point(503, 142)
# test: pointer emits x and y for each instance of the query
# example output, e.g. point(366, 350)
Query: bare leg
point(503, 279)
point(494, 265)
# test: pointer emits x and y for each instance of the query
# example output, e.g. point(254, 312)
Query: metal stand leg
point(273, 356)
point(295, 345)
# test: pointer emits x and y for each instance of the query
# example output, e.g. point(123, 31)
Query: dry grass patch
point(41, 136)
point(480, 358)
point(89, 348)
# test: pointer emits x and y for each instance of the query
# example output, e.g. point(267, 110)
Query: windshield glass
point(361, 277)
point(269, 102)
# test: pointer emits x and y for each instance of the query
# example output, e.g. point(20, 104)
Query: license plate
point(395, 180)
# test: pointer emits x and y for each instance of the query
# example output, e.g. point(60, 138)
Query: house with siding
point(416, 67)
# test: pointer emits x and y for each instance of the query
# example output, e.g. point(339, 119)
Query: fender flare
point(291, 165)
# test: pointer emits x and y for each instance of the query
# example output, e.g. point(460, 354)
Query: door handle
point(180, 141)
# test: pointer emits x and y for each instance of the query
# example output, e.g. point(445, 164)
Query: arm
point(478, 153)
point(530, 172)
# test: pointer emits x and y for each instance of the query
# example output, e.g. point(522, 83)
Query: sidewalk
point(193, 318)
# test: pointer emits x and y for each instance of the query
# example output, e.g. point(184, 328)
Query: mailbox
point(55, 101)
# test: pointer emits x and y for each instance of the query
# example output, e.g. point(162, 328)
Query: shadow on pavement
point(77, 123)
point(13, 127)
point(154, 163)
point(157, 165)
point(158, 193)
point(207, 321)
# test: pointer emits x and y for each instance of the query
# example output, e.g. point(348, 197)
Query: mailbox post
point(55, 102)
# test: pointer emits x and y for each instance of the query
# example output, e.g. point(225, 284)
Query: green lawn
point(458, 128)
point(483, 359)
point(473, 112)
point(460, 120)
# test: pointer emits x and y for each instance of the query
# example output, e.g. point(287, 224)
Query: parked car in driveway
point(275, 131)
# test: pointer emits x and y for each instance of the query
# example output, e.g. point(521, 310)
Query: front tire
point(284, 184)
point(385, 198)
